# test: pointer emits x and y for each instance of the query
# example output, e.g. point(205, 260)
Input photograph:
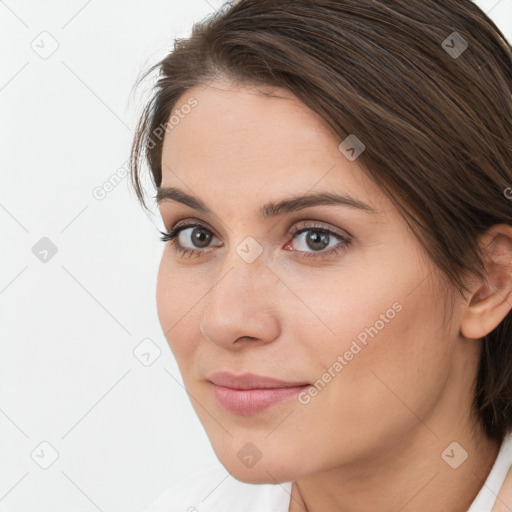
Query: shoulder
point(213, 489)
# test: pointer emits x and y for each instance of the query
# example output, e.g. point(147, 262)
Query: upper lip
point(250, 381)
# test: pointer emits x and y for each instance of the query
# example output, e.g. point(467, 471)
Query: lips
point(250, 381)
point(250, 394)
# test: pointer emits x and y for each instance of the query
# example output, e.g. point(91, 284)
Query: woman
point(334, 177)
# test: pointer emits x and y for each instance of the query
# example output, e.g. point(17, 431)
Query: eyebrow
point(271, 209)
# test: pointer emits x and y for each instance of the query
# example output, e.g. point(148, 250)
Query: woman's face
point(360, 322)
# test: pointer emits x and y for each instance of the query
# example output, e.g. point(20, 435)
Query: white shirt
point(213, 489)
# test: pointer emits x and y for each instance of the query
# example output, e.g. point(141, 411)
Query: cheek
point(381, 341)
point(401, 366)
point(178, 317)
point(390, 384)
point(165, 298)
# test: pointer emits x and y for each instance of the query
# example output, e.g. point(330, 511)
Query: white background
point(123, 431)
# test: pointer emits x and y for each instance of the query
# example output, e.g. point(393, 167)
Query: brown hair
point(436, 124)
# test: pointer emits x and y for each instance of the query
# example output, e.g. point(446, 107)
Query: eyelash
point(171, 236)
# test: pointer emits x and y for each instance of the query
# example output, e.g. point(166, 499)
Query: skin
point(373, 437)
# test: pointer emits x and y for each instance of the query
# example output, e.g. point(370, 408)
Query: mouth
point(249, 394)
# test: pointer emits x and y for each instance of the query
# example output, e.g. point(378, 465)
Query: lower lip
point(246, 402)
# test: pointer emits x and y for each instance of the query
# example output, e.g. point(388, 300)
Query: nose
point(242, 307)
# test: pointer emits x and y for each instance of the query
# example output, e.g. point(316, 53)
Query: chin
point(265, 471)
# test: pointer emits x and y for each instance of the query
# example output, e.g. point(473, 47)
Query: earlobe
point(491, 299)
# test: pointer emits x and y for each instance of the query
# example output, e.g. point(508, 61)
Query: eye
point(318, 238)
point(198, 234)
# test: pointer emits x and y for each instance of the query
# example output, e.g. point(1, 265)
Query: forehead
point(245, 124)
point(261, 139)
point(252, 118)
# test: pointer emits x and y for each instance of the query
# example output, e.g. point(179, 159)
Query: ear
point(491, 299)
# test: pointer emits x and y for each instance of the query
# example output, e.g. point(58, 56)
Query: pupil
point(315, 239)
